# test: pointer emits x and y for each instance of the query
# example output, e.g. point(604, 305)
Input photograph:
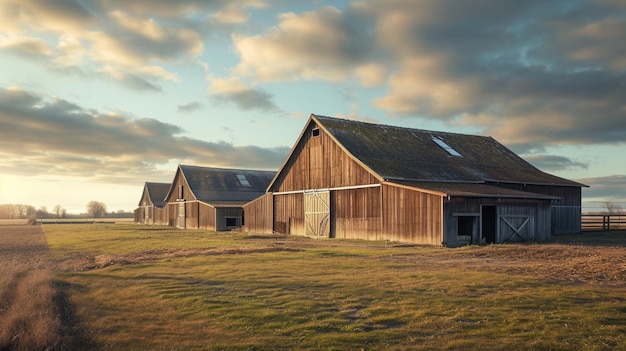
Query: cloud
point(601, 188)
point(42, 135)
point(554, 162)
point(529, 73)
point(189, 107)
point(234, 90)
point(324, 44)
point(26, 46)
point(129, 41)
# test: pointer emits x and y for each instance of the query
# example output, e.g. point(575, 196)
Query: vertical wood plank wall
point(412, 216)
point(356, 214)
point(258, 215)
point(319, 162)
point(207, 216)
point(539, 210)
point(566, 213)
point(289, 214)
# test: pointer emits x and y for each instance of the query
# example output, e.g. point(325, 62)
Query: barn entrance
point(317, 213)
point(488, 218)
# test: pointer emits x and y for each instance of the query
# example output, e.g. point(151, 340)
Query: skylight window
point(446, 147)
point(243, 180)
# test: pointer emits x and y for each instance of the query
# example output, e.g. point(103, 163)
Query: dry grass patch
point(32, 316)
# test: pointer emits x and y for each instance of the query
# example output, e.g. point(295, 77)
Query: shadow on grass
point(74, 336)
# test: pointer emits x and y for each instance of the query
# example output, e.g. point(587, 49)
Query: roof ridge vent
point(445, 146)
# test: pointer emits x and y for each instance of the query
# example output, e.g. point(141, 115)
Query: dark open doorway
point(488, 223)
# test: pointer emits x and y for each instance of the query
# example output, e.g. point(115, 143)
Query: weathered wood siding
point(530, 217)
point(206, 216)
point(356, 214)
point(180, 190)
point(318, 162)
point(258, 215)
point(138, 214)
point(566, 213)
point(412, 216)
point(192, 216)
point(172, 214)
point(289, 214)
point(161, 216)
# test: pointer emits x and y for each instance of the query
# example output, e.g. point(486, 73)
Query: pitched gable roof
point(397, 153)
point(220, 185)
point(156, 193)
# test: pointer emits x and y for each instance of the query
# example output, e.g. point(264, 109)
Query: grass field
point(134, 287)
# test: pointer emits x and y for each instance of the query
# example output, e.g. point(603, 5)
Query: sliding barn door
point(317, 213)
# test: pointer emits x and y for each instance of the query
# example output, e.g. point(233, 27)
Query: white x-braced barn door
point(317, 213)
point(517, 228)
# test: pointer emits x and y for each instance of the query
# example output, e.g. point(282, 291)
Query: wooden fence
point(602, 222)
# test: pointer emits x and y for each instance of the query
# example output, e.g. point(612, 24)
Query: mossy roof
point(226, 186)
point(398, 153)
point(156, 193)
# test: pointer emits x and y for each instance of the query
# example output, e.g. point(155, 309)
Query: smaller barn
point(213, 198)
point(152, 206)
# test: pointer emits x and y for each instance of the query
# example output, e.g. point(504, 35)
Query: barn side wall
point(411, 216)
point(206, 215)
point(289, 214)
point(566, 212)
point(192, 216)
point(356, 213)
point(511, 215)
point(138, 214)
point(161, 216)
point(258, 215)
point(172, 214)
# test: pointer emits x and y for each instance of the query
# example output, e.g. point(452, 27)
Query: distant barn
point(349, 179)
point(151, 208)
point(213, 198)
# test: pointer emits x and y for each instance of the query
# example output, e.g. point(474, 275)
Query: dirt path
point(34, 311)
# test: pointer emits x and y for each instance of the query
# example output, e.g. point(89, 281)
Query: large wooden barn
point(349, 179)
point(213, 198)
point(152, 209)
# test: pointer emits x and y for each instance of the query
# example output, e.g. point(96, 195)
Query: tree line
point(95, 209)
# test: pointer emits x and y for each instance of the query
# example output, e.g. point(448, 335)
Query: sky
point(98, 97)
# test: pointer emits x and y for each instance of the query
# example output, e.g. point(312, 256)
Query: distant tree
point(611, 207)
point(42, 212)
point(58, 210)
point(96, 209)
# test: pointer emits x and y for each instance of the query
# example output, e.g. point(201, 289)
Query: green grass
point(325, 295)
